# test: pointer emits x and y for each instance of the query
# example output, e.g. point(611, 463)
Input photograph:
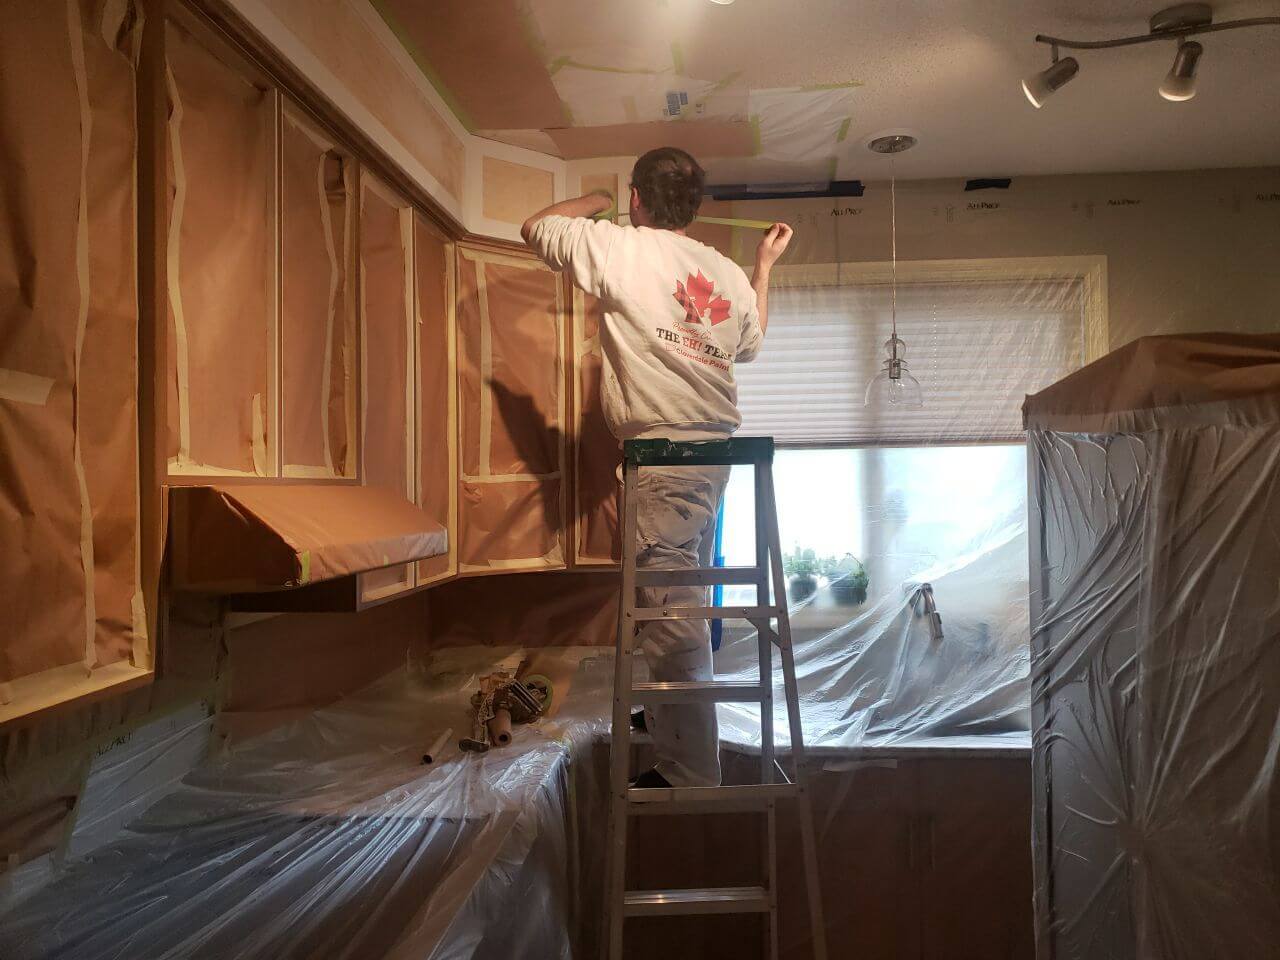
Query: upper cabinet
point(318, 353)
point(512, 399)
point(70, 593)
point(437, 430)
point(221, 263)
point(597, 453)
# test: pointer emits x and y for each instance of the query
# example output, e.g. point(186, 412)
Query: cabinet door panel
point(597, 453)
point(512, 410)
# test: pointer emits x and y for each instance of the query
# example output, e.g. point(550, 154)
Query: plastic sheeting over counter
point(328, 837)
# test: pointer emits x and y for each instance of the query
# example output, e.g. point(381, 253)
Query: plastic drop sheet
point(1156, 666)
point(328, 838)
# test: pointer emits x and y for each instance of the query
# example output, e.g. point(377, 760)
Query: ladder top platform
point(699, 453)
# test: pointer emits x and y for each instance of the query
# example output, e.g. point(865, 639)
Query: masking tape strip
point(190, 468)
point(82, 324)
point(350, 331)
point(735, 222)
point(410, 355)
point(524, 263)
point(24, 387)
point(486, 371)
point(259, 437)
point(181, 354)
point(304, 471)
point(511, 477)
point(843, 132)
point(364, 344)
point(326, 224)
point(306, 567)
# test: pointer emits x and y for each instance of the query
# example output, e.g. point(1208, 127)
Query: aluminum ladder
point(774, 785)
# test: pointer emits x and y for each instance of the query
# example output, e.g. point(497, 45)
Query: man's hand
point(772, 246)
point(593, 204)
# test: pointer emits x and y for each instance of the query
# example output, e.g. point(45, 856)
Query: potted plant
point(801, 568)
point(848, 581)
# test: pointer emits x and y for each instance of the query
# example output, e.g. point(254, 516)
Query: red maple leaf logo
point(699, 298)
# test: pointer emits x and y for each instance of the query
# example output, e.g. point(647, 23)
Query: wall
point(1185, 251)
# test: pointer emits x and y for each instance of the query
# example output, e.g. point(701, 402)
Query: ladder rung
point(674, 801)
point(644, 614)
point(694, 691)
point(653, 903)
point(697, 576)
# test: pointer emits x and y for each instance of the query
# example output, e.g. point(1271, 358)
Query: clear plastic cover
point(329, 837)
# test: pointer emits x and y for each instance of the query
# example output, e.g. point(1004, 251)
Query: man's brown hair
point(669, 182)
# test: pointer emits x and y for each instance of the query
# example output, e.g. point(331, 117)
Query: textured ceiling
point(947, 71)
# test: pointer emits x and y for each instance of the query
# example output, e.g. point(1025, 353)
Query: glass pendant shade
point(894, 385)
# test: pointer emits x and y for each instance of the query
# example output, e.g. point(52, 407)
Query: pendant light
point(893, 386)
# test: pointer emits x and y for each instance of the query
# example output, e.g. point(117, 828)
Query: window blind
point(977, 348)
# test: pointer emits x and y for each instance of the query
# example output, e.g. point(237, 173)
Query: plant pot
point(849, 590)
point(801, 587)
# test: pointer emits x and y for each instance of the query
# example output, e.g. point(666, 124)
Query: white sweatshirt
point(677, 316)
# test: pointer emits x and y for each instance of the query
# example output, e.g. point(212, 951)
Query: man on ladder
point(677, 316)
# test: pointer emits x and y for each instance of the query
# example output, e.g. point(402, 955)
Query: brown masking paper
point(511, 369)
point(68, 324)
point(245, 537)
point(437, 473)
point(221, 262)
point(317, 319)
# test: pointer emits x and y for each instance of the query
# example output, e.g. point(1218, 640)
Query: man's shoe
point(650, 780)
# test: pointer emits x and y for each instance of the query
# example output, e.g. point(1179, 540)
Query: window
point(872, 505)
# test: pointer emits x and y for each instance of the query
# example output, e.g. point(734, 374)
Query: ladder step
point(656, 903)
point(645, 614)
point(697, 576)
point(675, 801)
point(694, 691)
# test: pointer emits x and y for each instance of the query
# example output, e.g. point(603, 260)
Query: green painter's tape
point(306, 568)
point(428, 71)
point(755, 136)
point(832, 86)
point(735, 222)
point(844, 130)
point(677, 58)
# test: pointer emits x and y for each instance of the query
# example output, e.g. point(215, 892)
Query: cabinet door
point(511, 373)
point(69, 585)
point(387, 374)
point(437, 394)
point(318, 356)
point(221, 260)
point(971, 856)
point(596, 452)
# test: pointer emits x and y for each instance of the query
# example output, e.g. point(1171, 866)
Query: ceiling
point(788, 91)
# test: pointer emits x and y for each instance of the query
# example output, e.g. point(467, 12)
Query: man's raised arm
point(593, 203)
point(771, 248)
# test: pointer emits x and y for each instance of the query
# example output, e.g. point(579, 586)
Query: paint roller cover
point(704, 139)
point(461, 42)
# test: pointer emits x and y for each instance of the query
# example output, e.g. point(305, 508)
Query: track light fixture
point(1047, 81)
point(1173, 23)
point(1180, 81)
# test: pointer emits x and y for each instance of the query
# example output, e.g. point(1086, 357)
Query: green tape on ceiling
point(844, 129)
point(419, 58)
point(755, 136)
point(832, 86)
point(677, 58)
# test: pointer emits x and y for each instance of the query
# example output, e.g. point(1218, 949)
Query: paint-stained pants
point(675, 526)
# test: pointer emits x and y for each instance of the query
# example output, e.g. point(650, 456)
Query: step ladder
point(774, 785)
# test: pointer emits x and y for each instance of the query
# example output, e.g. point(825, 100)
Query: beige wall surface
point(1186, 252)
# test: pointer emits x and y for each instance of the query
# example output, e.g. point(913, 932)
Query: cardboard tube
point(433, 752)
point(500, 728)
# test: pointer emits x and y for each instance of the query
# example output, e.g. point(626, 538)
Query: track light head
point(1180, 82)
point(1039, 86)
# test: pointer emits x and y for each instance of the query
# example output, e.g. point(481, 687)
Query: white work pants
point(675, 525)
